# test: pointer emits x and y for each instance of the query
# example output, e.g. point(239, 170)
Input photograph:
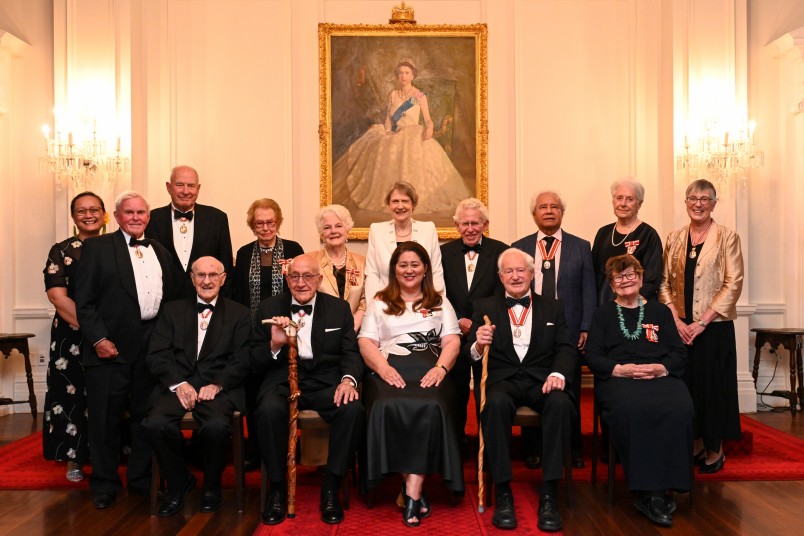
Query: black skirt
point(412, 430)
point(711, 376)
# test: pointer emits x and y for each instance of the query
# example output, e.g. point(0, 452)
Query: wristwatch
point(351, 382)
point(701, 323)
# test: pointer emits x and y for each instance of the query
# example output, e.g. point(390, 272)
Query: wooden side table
point(793, 340)
point(18, 342)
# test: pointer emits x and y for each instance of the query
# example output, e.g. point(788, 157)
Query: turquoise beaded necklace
point(635, 335)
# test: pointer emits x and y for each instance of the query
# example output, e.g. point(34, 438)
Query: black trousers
point(112, 388)
point(502, 399)
point(347, 424)
point(162, 425)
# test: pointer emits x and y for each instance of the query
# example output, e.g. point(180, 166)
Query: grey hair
point(340, 211)
point(536, 196)
point(130, 194)
point(471, 203)
point(511, 251)
point(701, 185)
point(632, 183)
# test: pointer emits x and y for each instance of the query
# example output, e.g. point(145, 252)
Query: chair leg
point(345, 490)
point(595, 440)
point(155, 481)
point(568, 475)
point(612, 469)
point(238, 457)
point(263, 486)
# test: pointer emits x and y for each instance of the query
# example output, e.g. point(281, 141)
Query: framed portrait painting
point(403, 103)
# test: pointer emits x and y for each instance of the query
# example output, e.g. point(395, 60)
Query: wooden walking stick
point(293, 407)
point(481, 485)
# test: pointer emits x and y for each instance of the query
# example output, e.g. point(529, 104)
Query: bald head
point(304, 278)
point(208, 277)
point(183, 187)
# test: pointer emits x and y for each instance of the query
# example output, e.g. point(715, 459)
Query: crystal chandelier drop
point(720, 156)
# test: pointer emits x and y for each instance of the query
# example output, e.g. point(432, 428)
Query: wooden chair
point(525, 416)
point(314, 443)
point(188, 423)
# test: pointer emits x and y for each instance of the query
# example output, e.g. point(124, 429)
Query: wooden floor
point(739, 508)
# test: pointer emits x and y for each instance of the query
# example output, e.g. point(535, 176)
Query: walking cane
point(293, 406)
point(481, 491)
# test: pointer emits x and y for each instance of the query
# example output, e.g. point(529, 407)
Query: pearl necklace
point(628, 335)
point(336, 264)
point(405, 96)
point(631, 228)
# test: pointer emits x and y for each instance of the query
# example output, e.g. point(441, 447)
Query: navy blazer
point(211, 238)
point(225, 355)
point(576, 280)
point(106, 296)
point(333, 341)
point(486, 282)
point(550, 349)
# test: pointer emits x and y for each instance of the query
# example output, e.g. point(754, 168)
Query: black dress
point(647, 249)
point(650, 421)
point(411, 430)
point(64, 437)
point(241, 290)
point(711, 374)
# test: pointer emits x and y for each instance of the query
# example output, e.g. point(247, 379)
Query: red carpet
point(772, 455)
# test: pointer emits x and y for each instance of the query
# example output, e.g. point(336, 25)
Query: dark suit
point(107, 308)
point(486, 282)
point(578, 294)
point(335, 355)
point(211, 238)
point(512, 383)
point(223, 360)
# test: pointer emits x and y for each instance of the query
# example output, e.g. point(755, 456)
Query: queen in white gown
point(402, 150)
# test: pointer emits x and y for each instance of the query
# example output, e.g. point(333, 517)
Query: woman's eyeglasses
point(629, 276)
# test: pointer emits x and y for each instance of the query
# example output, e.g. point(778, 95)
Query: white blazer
point(381, 245)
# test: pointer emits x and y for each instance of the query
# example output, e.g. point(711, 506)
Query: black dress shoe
point(533, 462)
point(707, 469)
point(504, 516)
point(175, 501)
point(655, 509)
point(276, 508)
point(210, 501)
point(670, 504)
point(103, 500)
point(331, 511)
point(549, 518)
point(577, 463)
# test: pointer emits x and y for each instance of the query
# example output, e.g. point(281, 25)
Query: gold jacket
point(718, 273)
point(354, 292)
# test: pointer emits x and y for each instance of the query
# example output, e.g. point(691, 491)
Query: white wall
point(580, 93)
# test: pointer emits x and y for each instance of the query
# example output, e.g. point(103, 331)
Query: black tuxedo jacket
point(485, 282)
point(333, 340)
point(210, 238)
point(106, 296)
point(225, 354)
point(550, 347)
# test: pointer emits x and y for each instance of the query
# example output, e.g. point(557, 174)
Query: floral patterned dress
point(64, 437)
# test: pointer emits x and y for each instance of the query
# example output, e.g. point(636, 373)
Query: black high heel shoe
point(699, 458)
point(707, 469)
point(425, 505)
point(412, 509)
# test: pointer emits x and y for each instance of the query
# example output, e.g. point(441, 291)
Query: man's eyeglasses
point(629, 276)
point(308, 278)
point(92, 210)
point(471, 224)
point(214, 276)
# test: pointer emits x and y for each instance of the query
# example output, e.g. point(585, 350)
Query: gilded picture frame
point(361, 156)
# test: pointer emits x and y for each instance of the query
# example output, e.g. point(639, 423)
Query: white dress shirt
point(537, 255)
point(183, 242)
point(147, 278)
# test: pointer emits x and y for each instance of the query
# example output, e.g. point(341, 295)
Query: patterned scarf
point(254, 270)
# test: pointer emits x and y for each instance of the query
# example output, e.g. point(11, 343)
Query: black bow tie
point(133, 242)
point(204, 306)
point(524, 301)
point(295, 308)
point(178, 214)
point(466, 249)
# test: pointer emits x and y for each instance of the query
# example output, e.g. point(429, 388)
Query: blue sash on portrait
point(404, 107)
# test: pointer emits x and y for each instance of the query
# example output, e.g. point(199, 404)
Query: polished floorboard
point(727, 508)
